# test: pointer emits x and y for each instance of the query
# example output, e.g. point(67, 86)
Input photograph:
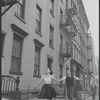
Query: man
point(93, 90)
point(70, 83)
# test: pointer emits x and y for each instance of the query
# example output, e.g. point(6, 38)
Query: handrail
point(8, 76)
point(9, 86)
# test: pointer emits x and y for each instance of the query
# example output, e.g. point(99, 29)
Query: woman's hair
point(47, 71)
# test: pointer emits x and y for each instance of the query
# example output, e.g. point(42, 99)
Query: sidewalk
point(90, 98)
point(41, 99)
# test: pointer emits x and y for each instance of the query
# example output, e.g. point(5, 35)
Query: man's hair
point(51, 72)
point(67, 68)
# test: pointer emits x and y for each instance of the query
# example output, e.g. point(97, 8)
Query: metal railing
point(10, 87)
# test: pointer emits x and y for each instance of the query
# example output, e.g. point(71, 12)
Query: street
point(90, 98)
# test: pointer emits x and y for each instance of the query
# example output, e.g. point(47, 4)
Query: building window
point(37, 61)
point(61, 12)
point(38, 19)
point(71, 3)
point(61, 43)
point(52, 6)
point(68, 48)
point(50, 61)
point(75, 38)
point(51, 40)
point(66, 3)
point(18, 38)
point(38, 47)
point(21, 8)
point(61, 15)
point(2, 43)
point(77, 74)
point(60, 71)
point(79, 57)
point(16, 54)
point(75, 53)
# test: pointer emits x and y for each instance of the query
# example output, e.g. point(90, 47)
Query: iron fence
point(10, 87)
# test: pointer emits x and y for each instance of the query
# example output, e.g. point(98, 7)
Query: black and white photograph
point(49, 49)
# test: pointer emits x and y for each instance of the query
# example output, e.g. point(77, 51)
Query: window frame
point(61, 44)
point(39, 49)
point(51, 37)
point(52, 7)
point(60, 71)
point(38, 19)
point(20, 12)
point(12, 70)
point(50, 62)
point(3, 34)
point(22, 34)
point(39, 45)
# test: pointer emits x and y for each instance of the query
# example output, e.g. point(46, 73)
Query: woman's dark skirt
point(47, 92)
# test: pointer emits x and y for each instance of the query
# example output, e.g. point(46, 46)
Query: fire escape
point(7, 4)
point(67, 24)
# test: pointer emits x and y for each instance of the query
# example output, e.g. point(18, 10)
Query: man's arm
point(54, 78)
point(62, 78)
point(77, 78)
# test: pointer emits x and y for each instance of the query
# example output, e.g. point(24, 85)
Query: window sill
point(15, 72)
point(20, 18)
point(51, 47)
point(38, 32)
point(52, 13)
point(38, 76)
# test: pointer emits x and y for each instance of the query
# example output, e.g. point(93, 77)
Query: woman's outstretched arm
point(55, 79)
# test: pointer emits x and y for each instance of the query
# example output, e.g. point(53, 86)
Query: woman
point(47, 91)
